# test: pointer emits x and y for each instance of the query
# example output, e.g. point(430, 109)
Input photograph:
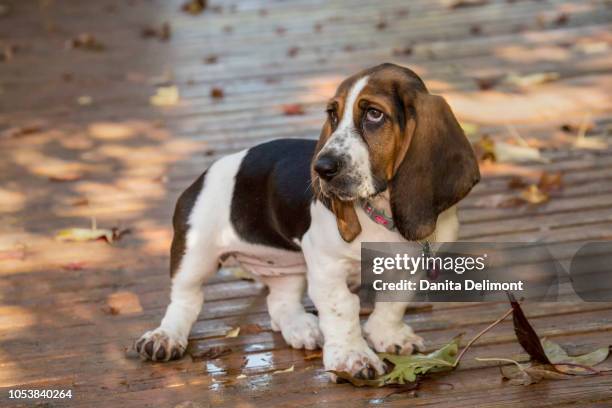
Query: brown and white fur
point(289, 210)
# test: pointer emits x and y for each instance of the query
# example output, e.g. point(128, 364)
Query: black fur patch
point(272, 195)
point(183, 208)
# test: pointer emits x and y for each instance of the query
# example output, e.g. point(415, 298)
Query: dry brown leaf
point(293, 109)
point(162, 33)
point(231, 333)
point(216, 93)
point(516, 182)
point(550, 182)
point(85, 41)
point(211, 59)
point(194, 7)
point(20, 131)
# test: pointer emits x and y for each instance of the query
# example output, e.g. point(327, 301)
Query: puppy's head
point(385, 131)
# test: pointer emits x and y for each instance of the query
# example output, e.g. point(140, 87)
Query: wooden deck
point(79, 138)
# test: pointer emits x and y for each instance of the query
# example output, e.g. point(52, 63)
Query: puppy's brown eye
point(374, 115)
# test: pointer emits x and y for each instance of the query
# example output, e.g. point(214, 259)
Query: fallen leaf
point(123, 302)
point(293, 109)
point(293, 51)
point(85, 41)
point(533, 195)
point(516, 182)
point(407, 369)
point(594, 47)
point(162, 33)
point(80, 202)
point(455, 4)
point(20, 131)
point(557, 355)
point(216, 93)
point(550, 182)
point(252, 328)
point(526, 335)
point(215, 352)
point(66, 177)
point(287, 370)
point(532, 79)
point(84, 100)
point(165, 96)
point(233, 332)
point(475, 29)
point(194, 7)
point(484, 149)
point(506, 152)
point(486, 83)
point(74, 266)
point(90, 234)
point(381, 25)
point(211, 59)
point(561, 19)
point(403, 51)
point(470, 129)
point(313, 356)
point(591, 143)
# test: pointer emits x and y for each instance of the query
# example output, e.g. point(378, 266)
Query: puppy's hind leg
point(299, 328)
point(194, 258)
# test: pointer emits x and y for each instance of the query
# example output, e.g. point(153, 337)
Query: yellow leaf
point(233, 332)
point(165, 96)
point(287, 370)
point(84, 234)
point(534, 195)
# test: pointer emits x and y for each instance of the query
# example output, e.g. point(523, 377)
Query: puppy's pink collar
point(378, 217)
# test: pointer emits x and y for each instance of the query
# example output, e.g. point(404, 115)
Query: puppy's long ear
point(344, 211)
point(438, 169)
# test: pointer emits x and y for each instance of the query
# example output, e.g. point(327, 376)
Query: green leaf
point(408, 369)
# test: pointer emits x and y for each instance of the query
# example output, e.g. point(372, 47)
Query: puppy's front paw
point(397, 338)
point(355, 358)
point(159, 345)
point(302, 331)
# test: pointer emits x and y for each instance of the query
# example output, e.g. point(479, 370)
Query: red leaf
point(293, 109)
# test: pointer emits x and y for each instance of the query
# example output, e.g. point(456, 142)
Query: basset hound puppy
point(390, 165)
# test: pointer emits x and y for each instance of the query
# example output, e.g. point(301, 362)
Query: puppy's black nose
point(327, 167)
